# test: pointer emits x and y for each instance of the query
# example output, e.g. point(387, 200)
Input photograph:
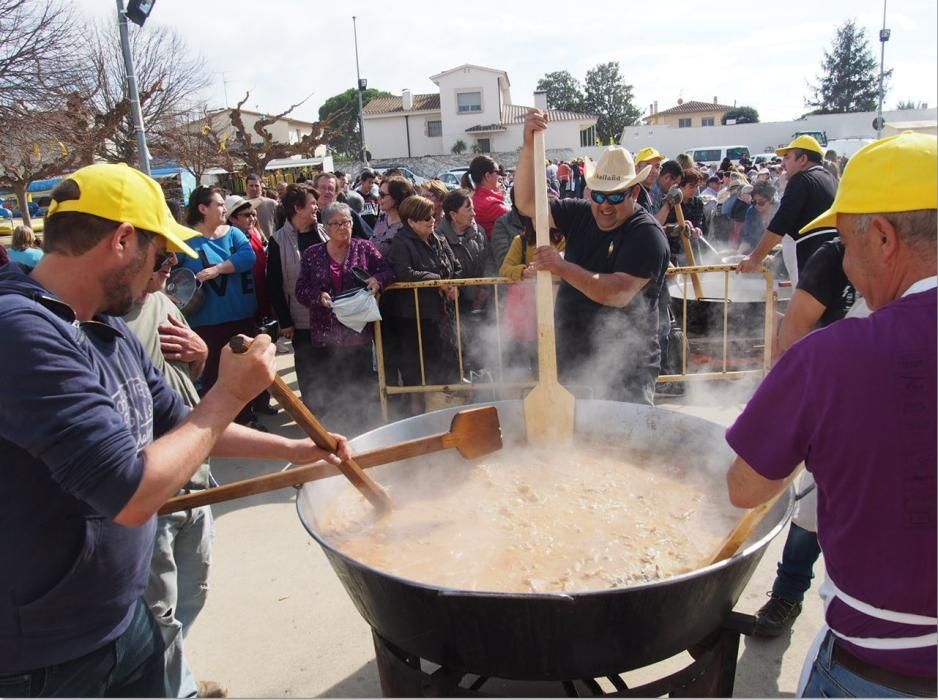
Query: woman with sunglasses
point(243, 215)
point(760, 212)
point(391, 194)
point(225, 269)
point(418, 254)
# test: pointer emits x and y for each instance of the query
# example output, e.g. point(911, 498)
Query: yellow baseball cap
point(805, 143)
point(899, 173)
point(647, 154)
point(120, 193)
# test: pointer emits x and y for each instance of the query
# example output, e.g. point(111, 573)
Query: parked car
point(452, 177)
point(764, 158)
point(417, 180)
point(714, 155)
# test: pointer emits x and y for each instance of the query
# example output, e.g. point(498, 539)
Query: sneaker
point(284, 346)
point(776, 616)
point(211, 689)
point(267, 409)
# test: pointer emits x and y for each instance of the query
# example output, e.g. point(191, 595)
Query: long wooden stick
point(302, 474)
point(304, 418)
point(688, 250)
point(747, 523)
point(549, 408)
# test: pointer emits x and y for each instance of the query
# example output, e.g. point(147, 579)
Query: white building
point(284, 130)
point(765, 137)
point(473, 106)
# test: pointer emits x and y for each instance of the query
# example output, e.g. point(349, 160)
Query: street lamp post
point(883, 38)
point(132, 94)
point(361, 88)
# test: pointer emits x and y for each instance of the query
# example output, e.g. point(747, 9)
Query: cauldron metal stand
point(711, 674)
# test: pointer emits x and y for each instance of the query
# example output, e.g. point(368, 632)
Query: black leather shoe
point(267, 409)
point(776, 616)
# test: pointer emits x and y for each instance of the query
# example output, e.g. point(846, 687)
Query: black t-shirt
point(597, 343)
point(823, 277)
point(807, 195)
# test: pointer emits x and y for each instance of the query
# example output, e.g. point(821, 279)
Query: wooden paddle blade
point(549, 414)
point(748, 523)
point(477, 432)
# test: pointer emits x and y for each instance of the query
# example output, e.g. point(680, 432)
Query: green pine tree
point(850, 77)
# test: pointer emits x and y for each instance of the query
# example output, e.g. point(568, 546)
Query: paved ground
point(279, 624)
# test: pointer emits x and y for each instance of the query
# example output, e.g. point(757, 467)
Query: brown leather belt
point(913, 685)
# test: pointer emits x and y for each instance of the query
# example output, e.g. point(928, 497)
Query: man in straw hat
point(93, 441)
point(810, 191)
point(611, 274)
point(856, 401)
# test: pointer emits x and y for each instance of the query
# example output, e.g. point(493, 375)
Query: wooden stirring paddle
point(474, 433)
point(747, 523)
point(549, 408)
point(304, 418)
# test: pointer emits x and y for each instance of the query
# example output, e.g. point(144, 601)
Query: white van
point(714, 155)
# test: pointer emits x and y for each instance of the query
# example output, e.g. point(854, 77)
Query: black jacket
point(414, 260)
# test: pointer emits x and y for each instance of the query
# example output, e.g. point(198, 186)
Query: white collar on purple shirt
point(923, 285)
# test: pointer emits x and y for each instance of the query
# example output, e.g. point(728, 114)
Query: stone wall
point(431, 166)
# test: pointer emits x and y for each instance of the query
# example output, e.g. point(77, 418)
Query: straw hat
point(615, 171)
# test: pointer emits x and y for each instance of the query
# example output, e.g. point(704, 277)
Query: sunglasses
point(759, 203)
point(612, 197)
point(163, 258)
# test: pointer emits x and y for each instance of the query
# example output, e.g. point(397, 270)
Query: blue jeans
point(796, 569)
point(829, 679)
point(178, 586)
point(130, 666)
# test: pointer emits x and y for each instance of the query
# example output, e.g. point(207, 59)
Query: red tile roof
point(693, 106)
point(395, 104)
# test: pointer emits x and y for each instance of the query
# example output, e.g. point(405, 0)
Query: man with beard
point(612, 274)
point(93, 441)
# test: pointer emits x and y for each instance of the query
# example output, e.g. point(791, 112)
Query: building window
point(468, 102)
point(434, 127)
point(588, 137)
point(706, 121)
point(683, 123)
point(485, 145)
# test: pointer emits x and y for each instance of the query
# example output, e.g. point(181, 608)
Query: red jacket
point(489, 206)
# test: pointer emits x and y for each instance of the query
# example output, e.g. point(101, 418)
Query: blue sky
point(760, 54)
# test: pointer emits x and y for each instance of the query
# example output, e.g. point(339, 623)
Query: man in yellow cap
point(856, 402)
point(649, 157)
point(810, 191)
point(93, 441)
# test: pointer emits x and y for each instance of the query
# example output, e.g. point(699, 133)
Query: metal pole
point(132, 94)
point(358, 77)
point(883, 38)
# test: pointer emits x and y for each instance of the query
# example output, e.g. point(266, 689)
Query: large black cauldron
point(553, 636)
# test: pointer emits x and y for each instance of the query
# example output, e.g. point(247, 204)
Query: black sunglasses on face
point(611, 197)
point(167, 256)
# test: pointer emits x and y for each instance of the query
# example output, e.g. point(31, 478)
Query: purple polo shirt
point(857, 402)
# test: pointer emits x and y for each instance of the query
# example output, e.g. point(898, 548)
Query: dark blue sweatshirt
point(78, 403)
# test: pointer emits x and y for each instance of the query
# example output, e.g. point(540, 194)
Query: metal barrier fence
point(498, 371)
